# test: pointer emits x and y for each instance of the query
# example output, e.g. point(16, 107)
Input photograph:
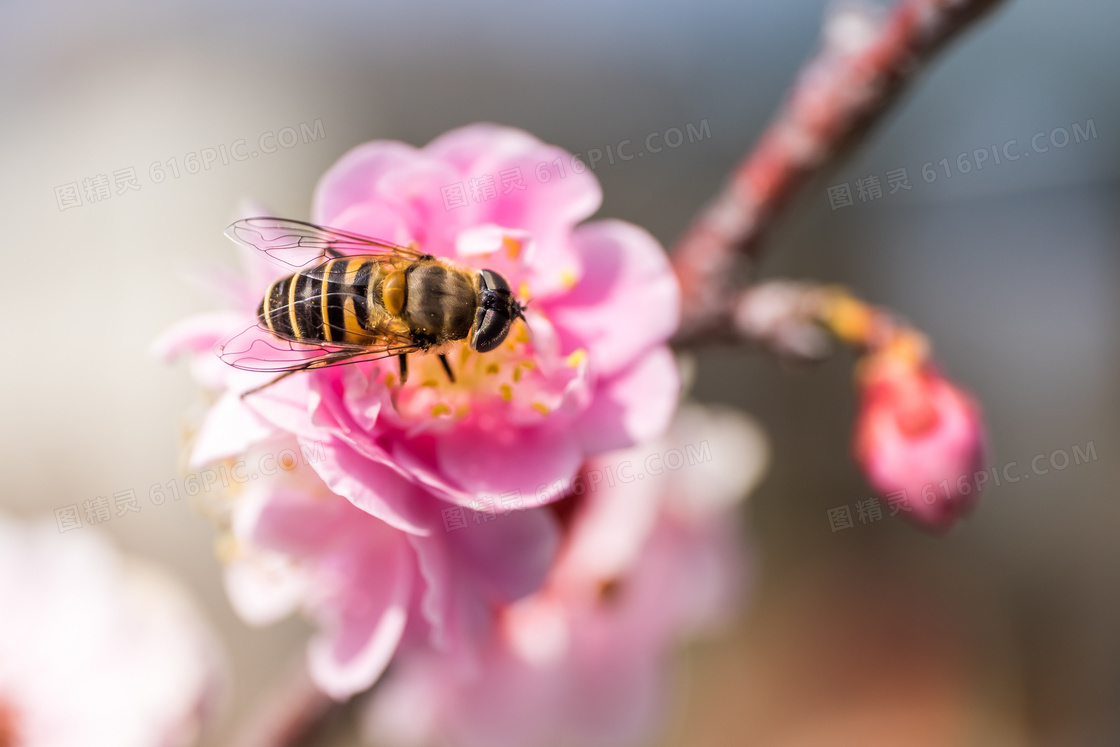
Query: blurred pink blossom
point(97, 650)
point(370, 588)
point(916, 432)
point(646, 563)
point(595, 373)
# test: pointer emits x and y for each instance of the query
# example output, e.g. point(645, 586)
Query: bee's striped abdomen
point(330, 306)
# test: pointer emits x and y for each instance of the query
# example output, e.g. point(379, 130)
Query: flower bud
point(918, 438)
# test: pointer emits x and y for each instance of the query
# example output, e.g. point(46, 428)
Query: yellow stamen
point(440, 409)
point(517, 374)
point(227, 548)
point(507, 392)
point(522, 332)
point(523, 289)
point(493, 368)
point(541, 407)
point(850, 319)
point(389, 379)
point(568, 279)
point(430, 382)
point(531, 365)
point(577, 357)
point(512, 246)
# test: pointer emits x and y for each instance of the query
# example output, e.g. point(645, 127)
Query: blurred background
point(1003, 633)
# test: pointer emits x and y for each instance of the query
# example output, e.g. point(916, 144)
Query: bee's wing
point(299, 245)
point(258, 349)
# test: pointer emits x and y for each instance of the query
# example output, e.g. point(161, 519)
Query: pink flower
point(95, 649)
point(918, 434)
point(593, 374)
point(646, 563)
point(370, 588)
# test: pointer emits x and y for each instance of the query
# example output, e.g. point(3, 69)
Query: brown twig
point(288, 714)
point(865, 61)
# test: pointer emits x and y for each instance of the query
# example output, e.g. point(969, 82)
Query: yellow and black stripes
point(329, 305)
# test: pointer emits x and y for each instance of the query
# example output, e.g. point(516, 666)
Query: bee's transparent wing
point(300, 245)
point(258, 349)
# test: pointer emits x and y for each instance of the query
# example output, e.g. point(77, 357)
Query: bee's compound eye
point(493, 281)
point(491, 328)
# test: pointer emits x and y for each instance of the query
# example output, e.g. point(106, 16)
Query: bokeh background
point(1006, 632)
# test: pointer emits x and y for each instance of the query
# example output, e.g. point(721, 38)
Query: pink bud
point(918, 433)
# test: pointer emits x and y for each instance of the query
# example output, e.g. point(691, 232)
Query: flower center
point(514, 380)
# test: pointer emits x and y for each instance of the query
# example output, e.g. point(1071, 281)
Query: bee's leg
point(267, 384)
point(447, 367)
point(403, 361)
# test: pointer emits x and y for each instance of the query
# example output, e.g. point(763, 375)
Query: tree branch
point(866, 60)
point(289, 714)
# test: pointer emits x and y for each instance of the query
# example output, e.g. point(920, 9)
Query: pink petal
point(263, 589)
point(195, 335)
point(475, 146)
point(457, 617)
point(512, 461)
point(374, 488)
point(507, 556)
point(634, 406)
point(284, 404)
point(228, 429)
point(375, 220)
point(363, 616)
point(626, 301)
point(390, 177)
point(547, 209)
point(292, 519)
point(353, 179)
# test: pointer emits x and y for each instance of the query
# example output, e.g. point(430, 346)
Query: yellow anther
point(568, 279)
point(430, 382)
point(507, 392)
point(493, 368)
point(577, 357)
point(517, 374)
point(440, 409)
point(541, 407)
point(227, 548)
point(512, 246)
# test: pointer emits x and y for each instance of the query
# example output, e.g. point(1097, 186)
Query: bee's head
point(497, 309)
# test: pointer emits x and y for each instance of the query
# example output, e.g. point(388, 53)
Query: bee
point(352, 298)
